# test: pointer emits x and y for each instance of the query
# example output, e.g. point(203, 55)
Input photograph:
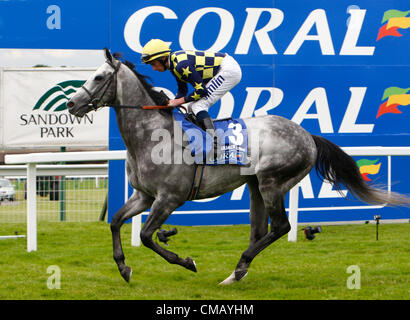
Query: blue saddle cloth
point(233, 141)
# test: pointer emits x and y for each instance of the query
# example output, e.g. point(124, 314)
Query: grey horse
point(285, 153)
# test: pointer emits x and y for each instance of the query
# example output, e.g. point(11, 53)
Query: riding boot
point(207, 124)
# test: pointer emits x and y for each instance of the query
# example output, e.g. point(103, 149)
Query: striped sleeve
point(182, 89)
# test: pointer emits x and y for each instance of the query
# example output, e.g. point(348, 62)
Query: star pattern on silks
point(186, 72)
point(198, 86)
point(196, 96)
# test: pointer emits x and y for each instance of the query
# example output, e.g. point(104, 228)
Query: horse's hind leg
point(258, 215)
point(136, 204)
point(259, 223)
point(273, 201)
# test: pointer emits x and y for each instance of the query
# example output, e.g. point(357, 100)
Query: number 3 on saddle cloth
point(232, 141)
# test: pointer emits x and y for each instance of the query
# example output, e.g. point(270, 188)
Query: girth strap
point(196, 182)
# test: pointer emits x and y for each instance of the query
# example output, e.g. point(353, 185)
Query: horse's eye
point(98, 78)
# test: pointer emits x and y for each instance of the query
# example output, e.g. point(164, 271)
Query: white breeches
point(227, 77)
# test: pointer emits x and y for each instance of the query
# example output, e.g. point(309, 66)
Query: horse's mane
point(160, 98)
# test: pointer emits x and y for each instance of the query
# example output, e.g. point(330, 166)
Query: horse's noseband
point(94, 98)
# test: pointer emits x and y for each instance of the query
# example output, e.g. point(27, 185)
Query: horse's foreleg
point(160, 211)
point(136, 204)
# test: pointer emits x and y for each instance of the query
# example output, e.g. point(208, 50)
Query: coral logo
point(55, 99)
point(367, 167)
point(393, 21)
point(394, 97)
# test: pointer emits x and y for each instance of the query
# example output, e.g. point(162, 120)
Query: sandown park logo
point(393, 21)
point(55, 99)
point(394, 97)
point(367, 167)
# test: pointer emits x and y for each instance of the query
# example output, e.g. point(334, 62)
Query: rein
point(138, 107)
point(94, 100)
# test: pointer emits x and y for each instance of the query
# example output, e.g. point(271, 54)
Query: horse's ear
point(108, 55)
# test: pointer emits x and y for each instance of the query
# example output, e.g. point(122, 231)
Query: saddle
point(232, 147)
point(231, 135)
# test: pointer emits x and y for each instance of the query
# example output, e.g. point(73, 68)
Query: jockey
point(211, 74)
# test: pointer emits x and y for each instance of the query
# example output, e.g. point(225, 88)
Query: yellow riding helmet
point(154, 49)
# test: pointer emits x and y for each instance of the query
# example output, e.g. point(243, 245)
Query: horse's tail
point(337, 167)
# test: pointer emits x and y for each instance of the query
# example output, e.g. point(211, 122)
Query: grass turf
point(304, 270)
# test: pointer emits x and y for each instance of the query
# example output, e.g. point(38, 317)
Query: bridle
point(98, 94)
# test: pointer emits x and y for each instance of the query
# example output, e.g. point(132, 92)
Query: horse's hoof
point(234, 277)
point(126, 273)
point(231, 279)
point(190, 264)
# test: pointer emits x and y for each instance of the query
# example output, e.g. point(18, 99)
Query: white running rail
point(32, 159)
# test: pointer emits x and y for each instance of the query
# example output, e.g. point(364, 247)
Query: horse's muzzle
point(76, 110)
point(72, 107)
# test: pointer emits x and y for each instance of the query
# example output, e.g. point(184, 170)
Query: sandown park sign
point(35, 112)
point(46, 114)
point(55, 99)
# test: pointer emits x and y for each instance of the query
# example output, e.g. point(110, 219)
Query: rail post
point(31, 208)
point(62, 192)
